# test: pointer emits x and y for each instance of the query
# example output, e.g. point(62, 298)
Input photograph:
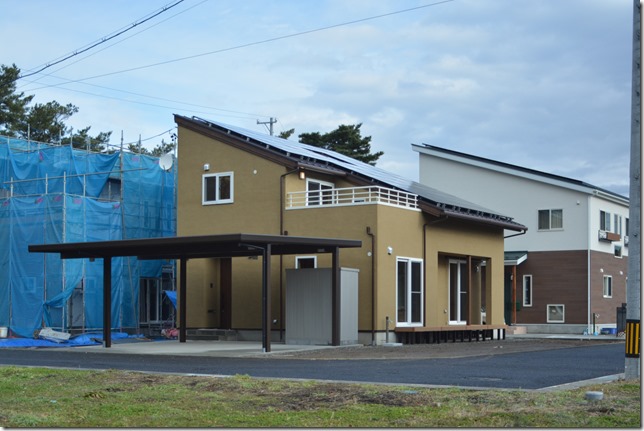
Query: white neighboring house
point(567, 273)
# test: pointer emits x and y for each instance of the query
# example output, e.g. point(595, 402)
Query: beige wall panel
point(437, 305)
point(256, 189)
point(200, 297)
point(340, 222)
point(452, 238)
point(402, 231)
point(247, 292)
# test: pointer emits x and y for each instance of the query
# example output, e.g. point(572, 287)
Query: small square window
point(618, 250)
point(550, 219)
point(319, 192)
point(217, 188)
point(302, 262)
point(556, 313)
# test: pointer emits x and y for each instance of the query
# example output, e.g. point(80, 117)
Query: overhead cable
point(102, 40)
point(115, 43)
point(246, 45)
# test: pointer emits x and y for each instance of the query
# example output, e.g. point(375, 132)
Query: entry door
point(457, 292)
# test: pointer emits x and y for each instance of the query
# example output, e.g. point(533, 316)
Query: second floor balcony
point(350, 196)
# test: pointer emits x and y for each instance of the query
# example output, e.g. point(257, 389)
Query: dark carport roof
point(205, 246)
point(194, 247)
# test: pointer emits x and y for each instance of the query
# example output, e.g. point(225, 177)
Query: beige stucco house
point(430, 265)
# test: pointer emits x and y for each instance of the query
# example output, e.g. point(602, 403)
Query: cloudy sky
point(545, 84)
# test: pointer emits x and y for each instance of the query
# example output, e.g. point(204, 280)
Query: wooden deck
point(439, 334)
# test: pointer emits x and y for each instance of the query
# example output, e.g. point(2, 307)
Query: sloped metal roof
point(315, 156)
point(571, 182)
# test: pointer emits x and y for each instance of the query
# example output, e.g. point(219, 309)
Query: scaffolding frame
point(113, 175)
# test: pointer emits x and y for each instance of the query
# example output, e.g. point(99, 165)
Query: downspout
point(588, 271)
point(281, 232)
point(373, 285)
point(514, 282)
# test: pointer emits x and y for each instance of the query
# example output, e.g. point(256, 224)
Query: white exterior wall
point(598, 204)
point(516, 197)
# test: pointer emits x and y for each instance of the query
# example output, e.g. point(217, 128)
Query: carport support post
point(183, 270)
point(107, 301)
point(335, 297)
point(266, 300)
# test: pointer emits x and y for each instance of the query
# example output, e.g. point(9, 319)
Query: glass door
point(409, 297)
point(457, 292)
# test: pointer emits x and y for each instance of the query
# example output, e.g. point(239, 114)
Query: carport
point(207, 246)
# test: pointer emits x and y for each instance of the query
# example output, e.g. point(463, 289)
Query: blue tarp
point(47, 198)
point(172, 296)
point(88, 339)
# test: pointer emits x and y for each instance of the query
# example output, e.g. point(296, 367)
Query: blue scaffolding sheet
point(57, 194)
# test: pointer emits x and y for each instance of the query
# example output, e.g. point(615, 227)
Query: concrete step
point(212, 334)
point(516, 330)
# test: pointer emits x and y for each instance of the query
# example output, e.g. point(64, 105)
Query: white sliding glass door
point(409, 292)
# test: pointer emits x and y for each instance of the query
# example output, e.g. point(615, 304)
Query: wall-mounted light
point(390, 250)
point(206, 166)
point(601, 269)
point(302, 174)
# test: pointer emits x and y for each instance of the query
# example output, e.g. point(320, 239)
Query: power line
point(151, 137)
point(246, 45)
point(115, 43)
point(101, 41)
point(246, 114)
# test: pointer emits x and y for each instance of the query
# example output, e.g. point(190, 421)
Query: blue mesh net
point(55, 194)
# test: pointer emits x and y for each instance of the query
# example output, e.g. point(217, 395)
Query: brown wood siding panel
point(618, 269)
point(558, 277)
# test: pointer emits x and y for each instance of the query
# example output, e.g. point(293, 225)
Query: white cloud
point(542, 83)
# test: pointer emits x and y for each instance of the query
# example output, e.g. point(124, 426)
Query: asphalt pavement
point(546, 368)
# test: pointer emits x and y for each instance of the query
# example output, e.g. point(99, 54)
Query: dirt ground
point(443, 350)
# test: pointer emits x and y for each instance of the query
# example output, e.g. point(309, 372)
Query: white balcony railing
point(351, 196)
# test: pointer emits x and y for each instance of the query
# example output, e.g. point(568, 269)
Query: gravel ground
point(443, 350)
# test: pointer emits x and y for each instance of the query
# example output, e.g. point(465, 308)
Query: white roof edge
point(515, 262)
point(527, 175)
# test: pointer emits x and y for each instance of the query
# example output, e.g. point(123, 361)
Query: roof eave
point(436, 211)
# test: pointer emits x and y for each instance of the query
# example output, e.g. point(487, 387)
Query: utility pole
point(633, 288)
point(271, 121)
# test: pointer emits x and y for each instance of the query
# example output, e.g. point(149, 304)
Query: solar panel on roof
point(352, 165)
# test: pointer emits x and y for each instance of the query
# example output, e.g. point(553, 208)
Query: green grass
point(39, 398)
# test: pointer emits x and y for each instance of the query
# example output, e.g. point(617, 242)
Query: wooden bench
point(438, 334)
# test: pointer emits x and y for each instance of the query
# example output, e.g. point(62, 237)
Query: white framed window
point(527, 290)
point(319, 192)
point(302, 262)
point(409, 292)
point(551, 219)
point(608, 286)
point(618, 251)
point(217, 188)
point(617, 225)
point(556, 313)
point(604, 221)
